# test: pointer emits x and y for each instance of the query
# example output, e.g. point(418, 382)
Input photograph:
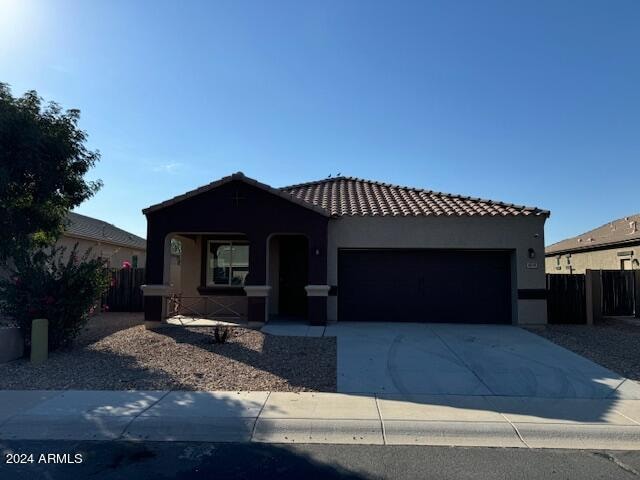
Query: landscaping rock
point(116, 352)
point(613, 343)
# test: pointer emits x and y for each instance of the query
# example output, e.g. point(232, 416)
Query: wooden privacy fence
point(566, 299)
point(607, 293)
point(619, 292)
point(124, 294)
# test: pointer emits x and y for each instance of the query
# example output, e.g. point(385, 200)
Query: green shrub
point(63, 289)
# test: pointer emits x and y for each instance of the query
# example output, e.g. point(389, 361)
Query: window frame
point(206, 252)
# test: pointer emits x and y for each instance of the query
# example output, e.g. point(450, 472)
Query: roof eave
point(597, 246)
point(103, 240)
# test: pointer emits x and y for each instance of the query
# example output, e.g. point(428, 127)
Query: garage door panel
point(424, 285)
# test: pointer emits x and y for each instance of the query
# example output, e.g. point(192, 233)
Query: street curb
point(63, 427)
point(312, 417)
point(581, 437)
point(335, 431)
point(186, 429)
point(318, 431)
point(471, 434)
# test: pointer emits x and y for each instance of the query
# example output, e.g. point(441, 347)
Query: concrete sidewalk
point(279, 417)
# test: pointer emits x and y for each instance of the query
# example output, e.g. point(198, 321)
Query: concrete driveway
point(411, 358)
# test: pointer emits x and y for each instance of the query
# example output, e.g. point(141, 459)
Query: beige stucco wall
point(190, 266)
point(114, 254)
point(176, 271)
point(579, 262)
point(509, 233)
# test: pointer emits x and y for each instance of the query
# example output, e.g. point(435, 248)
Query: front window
point(227, 263)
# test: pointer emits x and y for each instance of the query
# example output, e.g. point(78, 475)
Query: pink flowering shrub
point(45, 285)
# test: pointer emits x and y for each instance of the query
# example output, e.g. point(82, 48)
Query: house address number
point(532, 265)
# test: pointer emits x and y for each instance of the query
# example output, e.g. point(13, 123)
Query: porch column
point(257, 303)
point(317, 303)
point(154, 295)
point(154, 271)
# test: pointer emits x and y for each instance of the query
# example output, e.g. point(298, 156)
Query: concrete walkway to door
point(459, 359)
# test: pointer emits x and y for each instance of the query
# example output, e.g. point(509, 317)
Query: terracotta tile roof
point(98, 230)
point(618, 232)
point(348, 196)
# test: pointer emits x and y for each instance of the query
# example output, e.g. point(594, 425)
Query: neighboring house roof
point(618, 232)
point(89, 228)
point(341, 196)
point(349, 196)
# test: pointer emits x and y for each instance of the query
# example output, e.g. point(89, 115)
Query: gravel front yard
point(612, 343)
point(115, 352)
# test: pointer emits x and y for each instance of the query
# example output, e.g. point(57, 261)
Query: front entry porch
point(207, 281)
point(257, 254)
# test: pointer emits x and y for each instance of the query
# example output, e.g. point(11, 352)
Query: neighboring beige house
point(106, 240)
point(614, 246)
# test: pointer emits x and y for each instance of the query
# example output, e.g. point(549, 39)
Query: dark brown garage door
point(453, 286)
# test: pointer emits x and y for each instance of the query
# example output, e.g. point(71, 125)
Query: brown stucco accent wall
point(234, 207)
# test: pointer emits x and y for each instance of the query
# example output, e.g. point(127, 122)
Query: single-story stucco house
point(114, 245)
point(613, 246)
point(345, 249)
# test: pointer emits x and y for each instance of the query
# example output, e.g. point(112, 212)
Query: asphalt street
point(195, 460)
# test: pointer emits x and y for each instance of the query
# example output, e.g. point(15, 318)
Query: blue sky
point(530, 102)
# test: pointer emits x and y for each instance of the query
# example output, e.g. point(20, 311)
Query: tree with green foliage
point(43, 162)
point(63, 287)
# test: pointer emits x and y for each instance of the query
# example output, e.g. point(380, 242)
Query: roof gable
point(238, 176)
